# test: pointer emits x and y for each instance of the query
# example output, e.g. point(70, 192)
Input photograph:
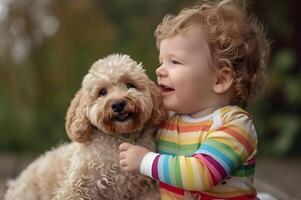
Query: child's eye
point(175, 62)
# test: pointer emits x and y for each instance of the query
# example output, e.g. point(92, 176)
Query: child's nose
point(161, 71)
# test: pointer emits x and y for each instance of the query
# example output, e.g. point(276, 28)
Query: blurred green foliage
point(35, 90)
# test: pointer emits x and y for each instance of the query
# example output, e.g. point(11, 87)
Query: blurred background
point(47, 46)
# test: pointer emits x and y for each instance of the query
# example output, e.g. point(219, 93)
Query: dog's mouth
point(122, 117)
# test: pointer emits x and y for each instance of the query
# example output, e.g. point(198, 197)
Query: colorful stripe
point(194, 157)
point(238, 137)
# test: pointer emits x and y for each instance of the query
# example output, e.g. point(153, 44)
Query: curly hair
point(235, 38)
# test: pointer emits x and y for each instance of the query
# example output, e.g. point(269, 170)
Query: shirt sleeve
point(221, 153)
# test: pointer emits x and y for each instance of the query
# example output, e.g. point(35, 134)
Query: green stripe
point(191, 147)
point(176, 145)
point(243, 173)
point(175, 168)
point(247, 167)
point(168, 144)
point(187, 152)
point(173, 148)
point(170, 151)
point(226, 150)
point(245, 170)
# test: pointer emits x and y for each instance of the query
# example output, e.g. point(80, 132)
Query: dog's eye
point(102, 92)
point(130, 85)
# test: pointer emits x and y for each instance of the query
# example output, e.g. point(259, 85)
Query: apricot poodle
point(117, 102)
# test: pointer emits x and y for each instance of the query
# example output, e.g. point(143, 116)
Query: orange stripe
point(184, 129)
point(238, 137)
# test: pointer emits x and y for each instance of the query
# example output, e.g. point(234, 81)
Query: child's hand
point(131, 156)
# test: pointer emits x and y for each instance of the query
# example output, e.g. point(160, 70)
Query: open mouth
point(165, 88)
point(122, 117)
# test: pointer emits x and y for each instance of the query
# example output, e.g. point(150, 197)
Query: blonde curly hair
point(235, 38)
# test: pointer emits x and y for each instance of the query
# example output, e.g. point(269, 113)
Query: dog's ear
point(159, 113)
point(77, 125)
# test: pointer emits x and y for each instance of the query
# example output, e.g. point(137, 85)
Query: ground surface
point(279, 178)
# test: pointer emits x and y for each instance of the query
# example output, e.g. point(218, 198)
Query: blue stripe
point(218, 156)
point(228, 152)
point(166, 168)
point(161, 167)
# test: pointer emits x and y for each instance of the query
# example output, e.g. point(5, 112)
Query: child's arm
point(218, 157)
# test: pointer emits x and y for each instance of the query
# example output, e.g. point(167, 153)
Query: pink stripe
point(155, 168)
point(211, 168)
point(217, 166)
point(217, 171)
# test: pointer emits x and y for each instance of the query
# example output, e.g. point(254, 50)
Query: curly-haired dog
point(117, 103)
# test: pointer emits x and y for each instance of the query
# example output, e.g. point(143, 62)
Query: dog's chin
point(122, 123)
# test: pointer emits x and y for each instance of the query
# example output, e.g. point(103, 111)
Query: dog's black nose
point(118, 105)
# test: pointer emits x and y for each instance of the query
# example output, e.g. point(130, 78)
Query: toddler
point(212, 59)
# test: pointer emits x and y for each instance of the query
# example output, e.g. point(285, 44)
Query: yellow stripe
point(195, 163)
point(190, 178)
point(189, 139)
point(183, 171)
point(224, 138)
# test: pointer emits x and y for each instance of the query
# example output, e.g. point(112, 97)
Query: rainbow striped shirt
point(212, 157)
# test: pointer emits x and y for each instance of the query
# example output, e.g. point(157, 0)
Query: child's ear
point(224, 80)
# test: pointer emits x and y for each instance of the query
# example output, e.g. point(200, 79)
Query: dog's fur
point(88, 167)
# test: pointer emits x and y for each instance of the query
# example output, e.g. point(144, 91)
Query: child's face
point(185, 74)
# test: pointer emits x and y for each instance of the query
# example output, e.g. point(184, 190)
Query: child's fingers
point(122, 155)
point(127, 169)
point(124, 146)
point(123, 163)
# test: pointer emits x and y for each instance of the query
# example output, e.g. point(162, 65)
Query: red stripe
point(180, 191)
point(172, 188)
point(245, 197)
point(251, 161)
point(238, 137)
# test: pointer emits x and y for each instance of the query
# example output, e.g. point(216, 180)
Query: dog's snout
point(118, 105)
